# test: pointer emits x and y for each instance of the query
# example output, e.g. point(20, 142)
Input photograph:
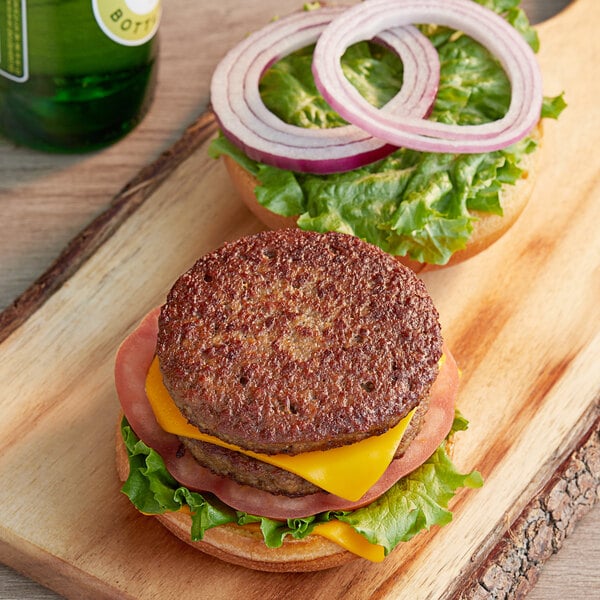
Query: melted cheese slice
point(347, 537)
point(347, 471)
point(340, 533)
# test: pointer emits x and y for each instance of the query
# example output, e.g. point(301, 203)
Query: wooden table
point(47, 199)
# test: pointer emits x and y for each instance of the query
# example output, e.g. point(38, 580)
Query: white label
point(128, 22)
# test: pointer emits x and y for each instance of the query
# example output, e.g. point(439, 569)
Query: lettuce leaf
point(416, 502)
point(552, 107)
point(411, 203)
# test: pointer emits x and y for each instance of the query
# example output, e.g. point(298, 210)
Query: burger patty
point(250, 471)
point(290, 341)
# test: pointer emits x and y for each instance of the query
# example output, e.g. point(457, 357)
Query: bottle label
point(128, 22)
point(13, 40)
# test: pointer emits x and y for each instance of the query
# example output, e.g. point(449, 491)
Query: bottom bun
point(486, 230)
point(245, 545)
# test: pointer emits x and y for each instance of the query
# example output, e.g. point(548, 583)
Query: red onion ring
point(365, 20)
point(245, 120)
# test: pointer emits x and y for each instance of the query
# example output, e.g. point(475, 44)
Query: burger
point(290, 406)
point(302, 150)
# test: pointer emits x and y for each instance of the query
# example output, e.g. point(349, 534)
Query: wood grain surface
point(53, 197)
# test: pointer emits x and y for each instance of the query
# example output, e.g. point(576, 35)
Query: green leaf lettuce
point(418, 501)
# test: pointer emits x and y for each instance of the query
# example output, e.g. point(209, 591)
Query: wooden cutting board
point(523, 320)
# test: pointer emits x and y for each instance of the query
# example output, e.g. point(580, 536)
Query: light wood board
point(523, 320)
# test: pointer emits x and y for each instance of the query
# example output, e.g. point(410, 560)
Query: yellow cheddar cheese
point(347, 471)
point(347, 537)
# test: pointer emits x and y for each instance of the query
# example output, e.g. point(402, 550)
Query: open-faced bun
point(244, 545)
point(486, 230)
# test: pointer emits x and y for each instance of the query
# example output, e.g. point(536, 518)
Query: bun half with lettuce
point(289, 407)
point(429, 208)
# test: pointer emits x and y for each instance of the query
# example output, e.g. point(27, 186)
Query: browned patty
point(250, 471)
point(290, 341)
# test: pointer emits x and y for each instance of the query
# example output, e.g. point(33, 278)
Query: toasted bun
point(486, 230)
point(245, 546)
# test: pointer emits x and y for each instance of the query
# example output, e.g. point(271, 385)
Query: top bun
point(487, 229)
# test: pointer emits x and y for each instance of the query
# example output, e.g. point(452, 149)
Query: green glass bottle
point(75, 75)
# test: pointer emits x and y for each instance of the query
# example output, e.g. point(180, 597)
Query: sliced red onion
point(245, 120)
point(366, 19)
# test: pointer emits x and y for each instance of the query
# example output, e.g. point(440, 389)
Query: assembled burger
point(289, 407)
point(413, 125)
